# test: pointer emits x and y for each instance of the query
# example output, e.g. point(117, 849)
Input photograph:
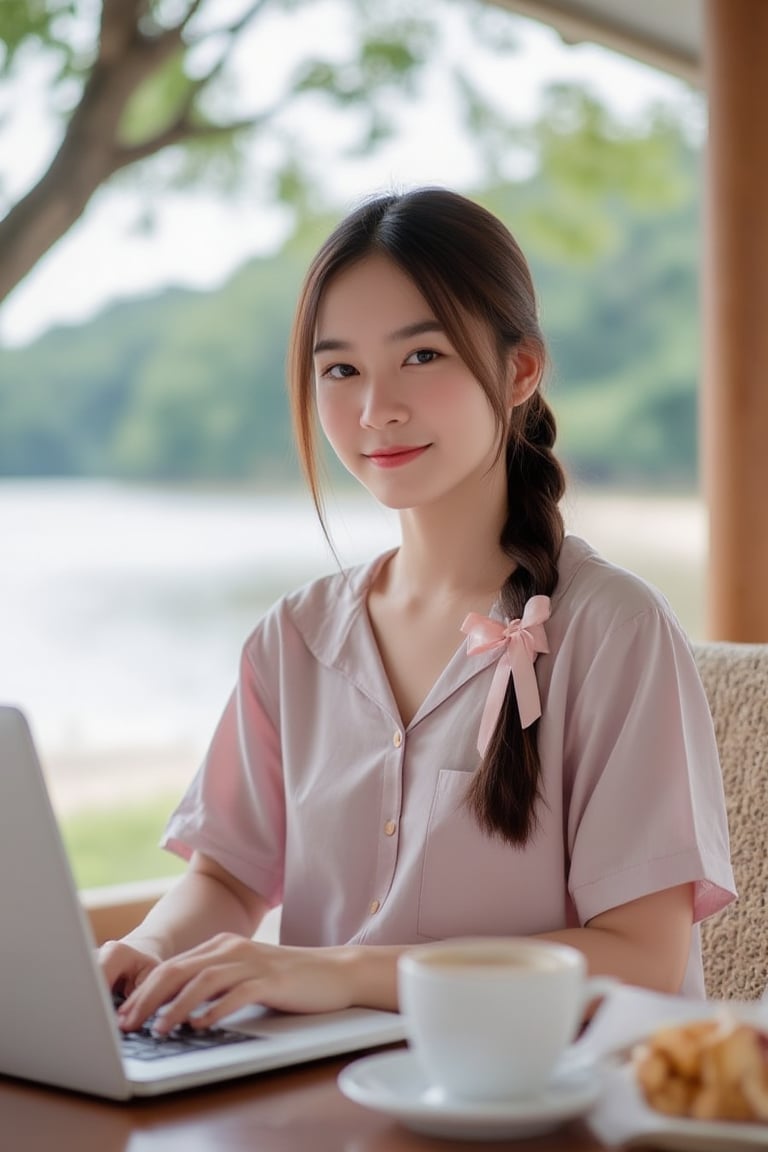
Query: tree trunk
point(89, 154)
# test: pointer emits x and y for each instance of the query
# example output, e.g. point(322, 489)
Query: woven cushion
point(735, 941)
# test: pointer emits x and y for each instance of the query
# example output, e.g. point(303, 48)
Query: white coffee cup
point(488, 1018)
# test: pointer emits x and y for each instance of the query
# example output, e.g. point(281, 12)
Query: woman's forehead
point(372, 290)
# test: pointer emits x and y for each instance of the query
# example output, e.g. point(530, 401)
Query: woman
point(389, 780)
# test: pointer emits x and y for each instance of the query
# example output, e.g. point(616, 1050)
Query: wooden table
point(298, 1110)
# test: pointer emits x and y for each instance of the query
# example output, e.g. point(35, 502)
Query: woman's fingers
point(200, 990)
point(124, 967)
point(177, 987)
point(204, 1002)
point(242, 995)
point(159, 989)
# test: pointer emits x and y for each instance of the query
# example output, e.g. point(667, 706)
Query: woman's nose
point(382, 405)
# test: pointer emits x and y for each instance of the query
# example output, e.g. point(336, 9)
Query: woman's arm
point(644, 942)
point(205, 901)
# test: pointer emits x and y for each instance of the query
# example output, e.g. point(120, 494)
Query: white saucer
point(392, 1082)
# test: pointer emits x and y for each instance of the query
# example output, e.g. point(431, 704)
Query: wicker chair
point(735, 941)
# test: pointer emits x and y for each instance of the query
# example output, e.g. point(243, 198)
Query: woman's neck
point(450, 550)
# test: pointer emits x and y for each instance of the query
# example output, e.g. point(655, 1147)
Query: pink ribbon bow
point(521, 641)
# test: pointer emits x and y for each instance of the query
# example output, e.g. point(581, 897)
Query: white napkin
point(621, 1116)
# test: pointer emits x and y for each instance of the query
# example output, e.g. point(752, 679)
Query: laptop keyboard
point(144, 1044)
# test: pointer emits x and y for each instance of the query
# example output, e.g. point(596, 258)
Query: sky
point(199, 239)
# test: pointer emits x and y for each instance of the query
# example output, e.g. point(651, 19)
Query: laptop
point(57, 1019)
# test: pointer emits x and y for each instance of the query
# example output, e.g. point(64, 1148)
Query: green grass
point(117, 846)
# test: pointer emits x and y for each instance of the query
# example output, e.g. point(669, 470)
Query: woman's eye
point(340, 371)
point(422, 356)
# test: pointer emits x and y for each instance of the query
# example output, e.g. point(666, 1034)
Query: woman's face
point(401, 410)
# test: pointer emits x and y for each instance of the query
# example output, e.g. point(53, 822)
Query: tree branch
point(181, 132)
point(193, 10)
point(86, 156)
point(233, 30)
point(119, 27)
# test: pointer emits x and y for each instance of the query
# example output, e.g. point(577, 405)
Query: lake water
point(123, 608)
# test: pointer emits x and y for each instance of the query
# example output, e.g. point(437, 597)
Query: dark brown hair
point(467, 266)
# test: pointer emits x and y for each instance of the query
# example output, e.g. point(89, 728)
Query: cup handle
point(597, 987)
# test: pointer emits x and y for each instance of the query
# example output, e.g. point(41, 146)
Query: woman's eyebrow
point(404, 333)
point(417, 329)
point(331, 346)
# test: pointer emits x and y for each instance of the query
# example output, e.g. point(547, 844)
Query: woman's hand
point(228, 972)
point(126, 966)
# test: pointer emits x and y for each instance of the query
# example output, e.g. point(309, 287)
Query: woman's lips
point(395, 457)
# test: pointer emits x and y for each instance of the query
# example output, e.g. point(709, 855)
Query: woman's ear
point(525, 368)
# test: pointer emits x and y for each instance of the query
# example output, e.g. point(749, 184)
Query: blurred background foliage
point(189, 385)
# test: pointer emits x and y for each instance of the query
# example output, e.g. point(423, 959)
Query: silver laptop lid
point(56, 1011)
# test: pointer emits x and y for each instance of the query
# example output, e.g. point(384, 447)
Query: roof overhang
point(666, 34)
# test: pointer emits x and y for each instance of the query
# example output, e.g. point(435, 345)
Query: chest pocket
point(475, 884)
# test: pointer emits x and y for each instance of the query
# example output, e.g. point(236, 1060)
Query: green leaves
point(382, 60)
point(588, 153)
point(158, 102)
point(36, 23)
point(590, 168)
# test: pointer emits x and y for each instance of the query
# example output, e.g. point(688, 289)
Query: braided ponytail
point(505, 790)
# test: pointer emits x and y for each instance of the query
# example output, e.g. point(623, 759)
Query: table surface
point(295, 1110)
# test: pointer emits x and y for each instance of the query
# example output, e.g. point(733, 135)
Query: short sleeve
point(645, 806)
point(234, 809)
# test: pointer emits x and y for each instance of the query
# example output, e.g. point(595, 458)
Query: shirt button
point(397, 739)
point(374, 906)
point(389, 828)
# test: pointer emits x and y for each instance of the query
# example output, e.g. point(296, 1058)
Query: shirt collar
point(331, 615)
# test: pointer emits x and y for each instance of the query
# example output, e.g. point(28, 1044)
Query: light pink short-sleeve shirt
point(315, 795)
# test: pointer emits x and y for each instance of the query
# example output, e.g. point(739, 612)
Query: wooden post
point(735, 310)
